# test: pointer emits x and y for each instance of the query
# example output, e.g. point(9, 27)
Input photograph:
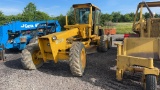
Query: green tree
point(146, 15)
point(132, 15)
point(41, 16)
point(71, 18)
point(157, 16)
point(105, 18)
point(11, 18)
point(61, 19)
point(29, 12)
point(3, 19)
point(116, 16)
point(122, 18)
point(14, 17)
point(127, 18)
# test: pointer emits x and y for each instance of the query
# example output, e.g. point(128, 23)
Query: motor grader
point(137, 54)
point(70, 44)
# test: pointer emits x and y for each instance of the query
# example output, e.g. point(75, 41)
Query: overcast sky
point(57, 7)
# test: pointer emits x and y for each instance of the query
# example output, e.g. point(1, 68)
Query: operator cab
point(82, 15)
point(87, 14)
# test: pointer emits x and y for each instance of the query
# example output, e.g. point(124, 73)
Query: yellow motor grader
point(137, 54)
point(70, 44)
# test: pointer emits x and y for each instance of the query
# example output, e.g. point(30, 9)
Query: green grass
point(122, 28)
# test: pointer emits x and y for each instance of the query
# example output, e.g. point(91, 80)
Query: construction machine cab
point(87, 14)
point(82, 15)
point(82, 12)
point(143, 25)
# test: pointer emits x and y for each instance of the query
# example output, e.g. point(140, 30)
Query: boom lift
point(16, 35)
point(70, 44)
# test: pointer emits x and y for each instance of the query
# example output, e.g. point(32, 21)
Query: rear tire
point(2, 55)
point(110, 43)
point(151, 82)
point(29, 59)
point(100, 32)
point(77, 60)
point(2, 52)
point(103, 44)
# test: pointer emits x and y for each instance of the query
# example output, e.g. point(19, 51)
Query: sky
point(57, 7)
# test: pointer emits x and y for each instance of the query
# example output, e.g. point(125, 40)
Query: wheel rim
point(35, 59)
point(83, 58)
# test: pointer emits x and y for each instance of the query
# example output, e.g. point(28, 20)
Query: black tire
point(77, 64)
point(2, 55)
point(151, 82)
point(110, 43)
point(100, 32)
point(27, 58)
point(103, 45)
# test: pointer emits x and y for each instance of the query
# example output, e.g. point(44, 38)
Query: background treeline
point(30, 13)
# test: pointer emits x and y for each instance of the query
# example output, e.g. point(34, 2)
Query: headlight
point(54, 37)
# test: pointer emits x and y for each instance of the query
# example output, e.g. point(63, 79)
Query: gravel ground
point(99, 75)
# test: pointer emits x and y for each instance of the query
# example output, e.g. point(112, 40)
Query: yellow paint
point(139, 52)
point(48, 45)
point(83, 58)
point(146, 27)
point(58, 49)
point(154, 71)
point(36, 60)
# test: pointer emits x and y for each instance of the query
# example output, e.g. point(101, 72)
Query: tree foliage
point(70, 15)
point(105, 17)
point(30, 13)
point(41, 16)
point(116, 16)
point(61, 19)
point(2, 18)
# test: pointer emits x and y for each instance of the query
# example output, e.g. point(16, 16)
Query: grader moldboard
point(70, 44)
point(137, 54)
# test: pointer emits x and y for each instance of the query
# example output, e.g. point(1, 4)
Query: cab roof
point(84, 5)
point(150, 4)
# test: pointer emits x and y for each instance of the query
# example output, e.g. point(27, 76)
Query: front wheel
point(29, 59)
point(151, 82)
point(77, 60)
point(103, 44)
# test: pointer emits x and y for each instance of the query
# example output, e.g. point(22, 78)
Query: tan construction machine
point(137, 54)
point(70, 44)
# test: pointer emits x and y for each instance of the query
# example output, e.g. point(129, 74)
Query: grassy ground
point(122, 28)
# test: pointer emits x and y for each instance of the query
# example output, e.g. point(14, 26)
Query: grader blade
point(142, 47)
point(91, 50)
